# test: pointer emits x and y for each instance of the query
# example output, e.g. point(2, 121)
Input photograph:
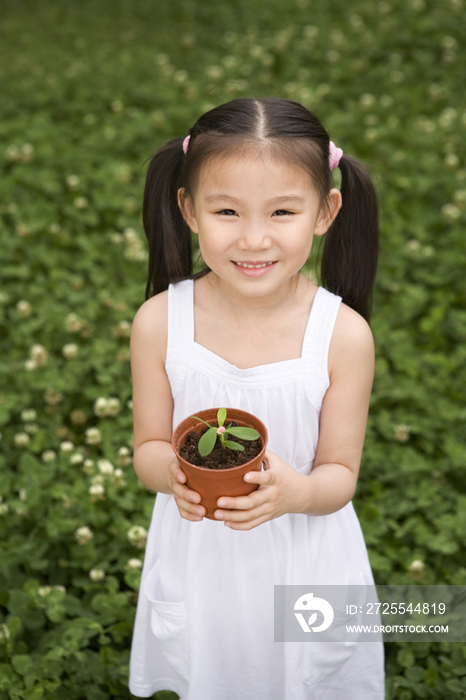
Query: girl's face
point(256, 219)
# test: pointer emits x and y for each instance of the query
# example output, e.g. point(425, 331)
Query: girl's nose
point(254, 238)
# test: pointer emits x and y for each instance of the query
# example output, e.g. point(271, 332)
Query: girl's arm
point(154, 460)
point(332, 481)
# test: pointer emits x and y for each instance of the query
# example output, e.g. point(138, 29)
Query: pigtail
point(169, 236)
point(349, 258)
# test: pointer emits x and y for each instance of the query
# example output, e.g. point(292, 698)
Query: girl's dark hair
point(293, 134)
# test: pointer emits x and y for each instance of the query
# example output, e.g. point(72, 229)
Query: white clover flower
point(386, 101)
point(76, 458)
point(137, 535)
point(48, 456)
point(105, 467)
point(29, 365)
point(97, 479)
point(113, 406)
point(367, 100)
point(460, 197)
point(22, 495)
point(130, 235)
point(216, 72)
point(447, 117)
point(413, 245)
point(117, 238)
point(74, 323)
point(4, 297)
point(31, 428)
point(452, 160)
point(133, 564)
point(38, 353)
point(310, 31)
point(93, 436)
point(123, 329)
point(100, 406)
point(66, 446)
point(117, 106)
point(70, 350)
point(401, 433)
point(123, 172)
point(88, 467)
point(12, 152)
point(129, 404)
point(24, 308)
point(83, 535)
point(96, 575)
point(60, 588)
point(52, 396)
point(451, 211)
point(97, 492)
point(123, 456)
point(22, 230)
point(28, 415)
point(135, 252)
point(4, 508)
point(22, 440)
point(118, 479)
point(417, 567)
point(397, 76)
point(72, 181)
point(44, 591)
point(4, 634)
point(81, 202)
point(371, 134)
point(54, 227)
point(27, 152)
point(180, 77)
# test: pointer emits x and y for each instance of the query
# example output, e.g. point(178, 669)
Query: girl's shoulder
point(150, 325)
point(352, 343)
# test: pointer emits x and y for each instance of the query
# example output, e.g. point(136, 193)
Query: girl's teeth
point(254, 266)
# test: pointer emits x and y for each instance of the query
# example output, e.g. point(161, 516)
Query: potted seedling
point(216, 448)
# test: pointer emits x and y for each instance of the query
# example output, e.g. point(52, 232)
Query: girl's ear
point(328, 212)
point(187, 209)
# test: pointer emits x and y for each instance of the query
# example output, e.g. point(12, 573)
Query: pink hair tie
point(334, 155)
point(186, 144)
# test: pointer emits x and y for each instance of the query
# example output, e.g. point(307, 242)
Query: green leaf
point(221, 415)
point(207, 442)
point(202, 421)
point(233, 445)
point(22, 664)
point(243, 433)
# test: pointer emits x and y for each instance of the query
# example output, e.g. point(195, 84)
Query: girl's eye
point(227, 212)
point(282, 212)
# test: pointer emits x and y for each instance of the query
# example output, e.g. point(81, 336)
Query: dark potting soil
point(220, 457)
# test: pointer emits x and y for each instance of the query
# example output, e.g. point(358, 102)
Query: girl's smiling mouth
point(254, 269)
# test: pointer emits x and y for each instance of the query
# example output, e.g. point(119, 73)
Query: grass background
point(88, 91)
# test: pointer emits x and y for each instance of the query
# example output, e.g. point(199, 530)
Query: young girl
point(253, 181)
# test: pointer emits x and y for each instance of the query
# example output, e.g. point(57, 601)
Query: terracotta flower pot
point(211, 484)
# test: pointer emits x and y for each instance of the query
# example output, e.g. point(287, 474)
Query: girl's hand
point(278, 493)
point(186, 500)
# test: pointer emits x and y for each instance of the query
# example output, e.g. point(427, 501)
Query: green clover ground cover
point(88, 93)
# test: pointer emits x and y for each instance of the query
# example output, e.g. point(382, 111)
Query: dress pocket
point(169, 624)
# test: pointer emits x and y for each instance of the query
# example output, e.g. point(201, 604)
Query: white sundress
point(205, 618)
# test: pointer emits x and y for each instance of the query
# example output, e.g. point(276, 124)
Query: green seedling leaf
point(221, 415)
point(244, 433)
point(202, 421)
point(207, 442)
point(233, 445)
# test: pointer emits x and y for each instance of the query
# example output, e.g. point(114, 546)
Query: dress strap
point(180, 329)
point(317, 337)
